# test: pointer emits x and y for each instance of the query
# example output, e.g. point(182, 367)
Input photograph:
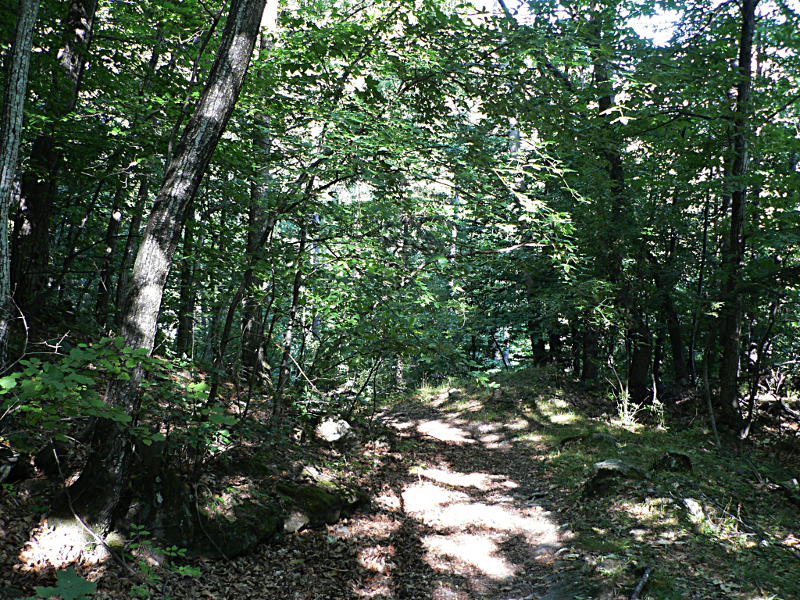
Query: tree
point(31, 250)
point(734, 250)
point(10, 138)
point(107, 465)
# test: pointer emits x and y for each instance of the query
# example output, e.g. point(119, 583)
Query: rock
point(454, 394)
point(607, 473)
point(695, 510)
point(237, 530)
point(295, 521)
point(321, 506)
point(677, 462)
point(318, 476)
point(335, 431)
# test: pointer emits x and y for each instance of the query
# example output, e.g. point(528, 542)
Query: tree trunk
point(135, 226)
point(107, 269)
point(639, 361)
point(102, 482)
point(187, 299)
point(31, 253)
point(283, 373)
point(590, 356)
point(261, 223)
point(674, 329)
point(10, 137)
point(731, 314)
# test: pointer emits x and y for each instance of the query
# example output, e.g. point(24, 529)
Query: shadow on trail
point(471, 507)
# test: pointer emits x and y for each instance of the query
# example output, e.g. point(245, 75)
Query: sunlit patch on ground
point(388, 501)
point(377, 558)
point(56, 547)
point(481, 481)
point(436, 506)
point(374, 527)
point(374, 587)
point(445, 432)
point(446, 592)
point(483, 531)
point(464, 554)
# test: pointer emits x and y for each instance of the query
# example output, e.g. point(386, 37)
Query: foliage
point(70, 586)
point(142, 549)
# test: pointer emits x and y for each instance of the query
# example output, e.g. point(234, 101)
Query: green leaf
point(70, 586)
point(7, 383)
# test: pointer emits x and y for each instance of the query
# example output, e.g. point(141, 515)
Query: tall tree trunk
point(639, 360)
point(31, 253)
point(590, 355)
point(101, 484)
point(665, 287)
point(10, 137)
point(699, 293)
point(261, 223)
point(285, 366)
point(187, 300)
point(123, 278)
point(107, 268)
point(731, 315)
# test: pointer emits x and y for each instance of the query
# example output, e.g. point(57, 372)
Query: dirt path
point(458, 512)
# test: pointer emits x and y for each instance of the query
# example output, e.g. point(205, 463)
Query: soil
point(459, 509)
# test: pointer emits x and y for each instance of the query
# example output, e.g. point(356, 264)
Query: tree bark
point(731, 315)
point(134, 227)
point(187, 299)
point(100, 486)
point(31, 253)
point(10, 138)
point(107, 268)
point(285, 367)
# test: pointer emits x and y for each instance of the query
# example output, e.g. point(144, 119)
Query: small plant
point(69, 586)
point(146, 556)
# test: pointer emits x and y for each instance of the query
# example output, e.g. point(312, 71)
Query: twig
point(642, 583)
point(24, 346)
point(303, 373)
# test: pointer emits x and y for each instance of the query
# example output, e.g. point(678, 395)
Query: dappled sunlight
point(437, 507)
point(377, 558)
point(388, 501)
point(481, 532)
point(445, 432)
point(564, 419)
point(447, 592)
point(425, 499)
point(481, 481)
point(463, 553)
point(58, 545)
point(376, 527)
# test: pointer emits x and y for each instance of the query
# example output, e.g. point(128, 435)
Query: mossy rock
point(607, 473)
point(322, 506)
point(676, 462)
point(238, 530)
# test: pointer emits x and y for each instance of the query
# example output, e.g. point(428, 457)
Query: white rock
point(333, 430)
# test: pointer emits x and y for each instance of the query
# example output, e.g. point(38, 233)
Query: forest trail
point(459, 511)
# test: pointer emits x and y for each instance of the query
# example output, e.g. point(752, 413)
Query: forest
point(414, 299)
